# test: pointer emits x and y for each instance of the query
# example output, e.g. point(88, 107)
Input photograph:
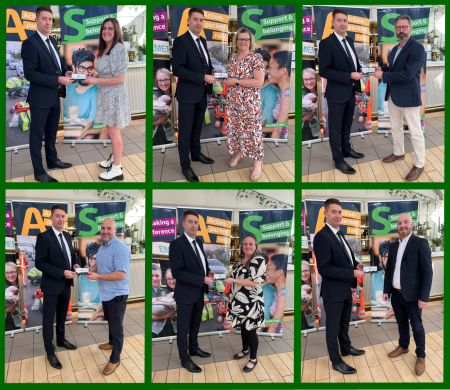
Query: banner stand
point(272, 335)
point(72, 142)
point(27, 146)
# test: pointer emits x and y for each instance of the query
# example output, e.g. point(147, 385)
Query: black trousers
point(339, 121)
point(114, 311)
point(337, 324)
point(43, 126)
point(405, 311)
point(189, 319)
point(190, 121)
point(55, 304)
point(249, 341)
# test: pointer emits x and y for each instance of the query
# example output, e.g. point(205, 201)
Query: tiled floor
point(85, 158)
point(318, 165)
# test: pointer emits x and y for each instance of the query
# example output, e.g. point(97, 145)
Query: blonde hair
point(243, 30)
point(167, 72)
point(309, 70)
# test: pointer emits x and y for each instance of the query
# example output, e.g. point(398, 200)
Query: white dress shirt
point(398, 263)
point(335, 231)
point(44, 38)
point(65, 243)
point(349, 49)
point(199, 251)
point(194, 37)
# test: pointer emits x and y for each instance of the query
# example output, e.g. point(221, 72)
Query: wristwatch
point(237, 84)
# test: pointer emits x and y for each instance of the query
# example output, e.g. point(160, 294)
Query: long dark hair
point(255, 253)
point(117, 36)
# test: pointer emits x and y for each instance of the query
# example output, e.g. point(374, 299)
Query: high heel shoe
point(234, 164)
point(255, 178)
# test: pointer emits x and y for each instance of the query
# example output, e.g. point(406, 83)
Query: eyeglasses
point(165, 81)
point(306, 272)
point(83, 68)
point(11, 273)
point(243, 40)
point(309, 80)
point(169, 279)
point(404, 28)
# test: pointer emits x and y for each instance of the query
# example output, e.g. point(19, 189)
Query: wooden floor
point(133, 171)
point(276, 172)
point(377, 171)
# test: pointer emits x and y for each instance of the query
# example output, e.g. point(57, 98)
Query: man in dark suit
point(57, 261)
point(338, 63)
point(48, 79)
point(192, 65)
point(338, 267)
point(191, 271)
point(402, 76)
point(408, 278)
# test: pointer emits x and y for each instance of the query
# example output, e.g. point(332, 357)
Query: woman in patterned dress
point(246, 305)
point(246, 71)
point(113, 106)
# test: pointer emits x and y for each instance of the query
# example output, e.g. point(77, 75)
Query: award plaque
point(77, 76)
point(82, 271)
point(219, 276)
point(370, 269)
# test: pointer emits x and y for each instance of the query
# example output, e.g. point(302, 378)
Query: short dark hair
point(383, 249)
point(403, 17)
point(92, 249)
point(58, 207)
point(283, 59)
point(195, 9)
point(41, 9)
point(82, 55)
point(280, 262)
point(189, 212)
point(264, 54)
point(330, 201)
point(339, 11)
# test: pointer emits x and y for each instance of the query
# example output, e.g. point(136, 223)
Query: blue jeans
point(114, 311)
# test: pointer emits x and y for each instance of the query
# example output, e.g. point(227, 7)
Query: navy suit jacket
point(403, 77)
point(335, 66)
point(416, 272)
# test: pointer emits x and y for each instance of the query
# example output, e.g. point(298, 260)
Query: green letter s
point(376, 217)
point(255, 26)
point(247, 226)
point(94, 225)
point(72, 23)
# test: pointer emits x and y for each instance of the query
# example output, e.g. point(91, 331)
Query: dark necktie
point(350, 58)
point(205, 63)
point(339, 234)
point(66, 256)
point(53, 56)
point(198, 256)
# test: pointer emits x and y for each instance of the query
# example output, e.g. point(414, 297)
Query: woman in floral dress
point(246, 71)
point(246, 305)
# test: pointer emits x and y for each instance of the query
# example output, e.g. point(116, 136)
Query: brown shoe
point(397, 352)
point(392, 158)
point(414, 174)
point(420, 366)
point(110, 368)
point(105, 346)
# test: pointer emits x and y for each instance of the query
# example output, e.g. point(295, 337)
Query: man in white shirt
point(408, 278)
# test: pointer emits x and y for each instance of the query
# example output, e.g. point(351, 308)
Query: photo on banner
point(273, 230)
point(358, 31)
point(382, 234)
point(88, 219)
point(387, 40)
point(273, 28)
point(80, 33)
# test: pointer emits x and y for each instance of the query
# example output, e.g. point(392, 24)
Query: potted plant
point(126, 36)
point(437, 241)
point(142, 49)
point(422, 229)
point(442, 50)
point(128, 234)
point(142, 245)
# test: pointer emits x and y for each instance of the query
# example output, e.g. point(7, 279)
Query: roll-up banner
point(9, 231)
point(305, 246)
point(88, 219)
point(164, 229)
point(20, 25)
point(32, 218)
point(160, 22)
point(273, 28)
point(273, 231)
point(387, 40)
point(80, 32)
point(383, 217)
point(215, 31)
point(351, 227)
point(358, 30)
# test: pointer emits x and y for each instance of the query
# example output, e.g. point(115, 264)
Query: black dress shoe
point(345, 168)
point(191, 366)
point(203, 159)
point(200, 353)
point(54, 362)
point(250, 369)
point(66, 345)
point(45, 178)
point(190, 175)
point(59, 164)
point(344, 368)
point(353, 154)
point(353, 351)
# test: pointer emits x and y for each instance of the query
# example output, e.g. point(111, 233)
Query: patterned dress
point(276, 111)
point(244, 108)
point(246, 305)
point(113, 106)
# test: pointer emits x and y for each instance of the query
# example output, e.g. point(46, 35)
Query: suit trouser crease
point(405, 313)
point(249, 341)
point(412, 116)
point(44, 126)
point(114, 311)
point(55, 304)
point(191, 314)
point(191, 117)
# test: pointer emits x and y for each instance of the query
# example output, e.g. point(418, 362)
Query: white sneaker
point(114, 172)
point(106, 164)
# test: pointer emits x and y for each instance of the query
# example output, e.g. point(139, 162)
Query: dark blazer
point(335, 66)
point(50, 260)
point(403, 77)
point(416, 272)
point(187, 270)
point(334, 267)
point(41, 72)
point(187, 65)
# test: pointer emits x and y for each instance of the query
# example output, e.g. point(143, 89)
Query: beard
point(81, 82)
point(402, 37)
point(404, 234)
